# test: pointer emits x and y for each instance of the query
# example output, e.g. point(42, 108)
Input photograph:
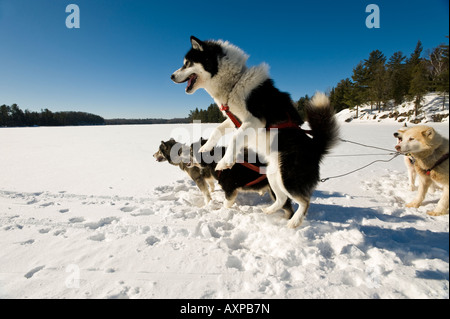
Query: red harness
point(439, 162)
point(288, 124)
point(237, 123)
point(226, 109)
point(253, 168)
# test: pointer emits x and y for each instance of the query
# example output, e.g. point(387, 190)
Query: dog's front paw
point(295, 222)
point(223, 165)
point(268, 210)
point(206, 199)
point(413, 204)
point(433, 213)
point(206, 148)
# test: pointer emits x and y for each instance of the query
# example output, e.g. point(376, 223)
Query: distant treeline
point(13, 116)
point(146, 121)
point(211, 115)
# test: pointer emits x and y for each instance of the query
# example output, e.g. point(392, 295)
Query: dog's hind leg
point(442, 205)
point(300, 214)
point(287, 207)
point(279, 192)
point(288, 211)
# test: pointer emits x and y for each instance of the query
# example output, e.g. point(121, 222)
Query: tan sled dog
point(431, 153)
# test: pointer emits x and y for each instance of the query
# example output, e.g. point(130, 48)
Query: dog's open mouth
point(191, 82)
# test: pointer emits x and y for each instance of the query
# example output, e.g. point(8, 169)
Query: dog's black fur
point(268, 103)
point(204, 57)
point(235, 179)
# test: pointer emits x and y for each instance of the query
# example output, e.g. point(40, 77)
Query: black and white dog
point(242, 177)
point(249, 94)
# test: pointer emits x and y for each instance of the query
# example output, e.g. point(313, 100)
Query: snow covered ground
point(86, 212)
point(432, 110)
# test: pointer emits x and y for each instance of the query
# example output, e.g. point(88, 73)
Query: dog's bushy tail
point(325, 130)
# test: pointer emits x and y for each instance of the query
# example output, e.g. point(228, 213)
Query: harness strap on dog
point(231, 116)
point(237, 123)
point(439, 162)
point(283, 125)
point(253, 168)
point(256, 181)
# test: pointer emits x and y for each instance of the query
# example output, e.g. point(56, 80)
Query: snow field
point(86, 212)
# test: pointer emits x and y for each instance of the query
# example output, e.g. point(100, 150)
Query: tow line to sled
point(290, 124)
point(395, 154)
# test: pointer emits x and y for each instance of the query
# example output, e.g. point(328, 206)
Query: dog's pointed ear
point(429, 133)
point(196, 44)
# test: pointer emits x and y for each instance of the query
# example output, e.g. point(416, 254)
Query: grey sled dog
point(293, 157)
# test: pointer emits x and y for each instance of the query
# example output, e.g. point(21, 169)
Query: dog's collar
point(439, 162)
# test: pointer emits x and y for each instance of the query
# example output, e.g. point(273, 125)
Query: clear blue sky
point(118, 64)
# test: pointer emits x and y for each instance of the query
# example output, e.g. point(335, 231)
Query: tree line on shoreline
point(14, 116)
point(385, 83)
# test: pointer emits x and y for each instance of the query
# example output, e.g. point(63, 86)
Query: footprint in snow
point(27, 242)
point(76, 220)
point(102, 222)
point(151, 240)
point(31, 273)
point(234, 262)
point(128, 209)
point(97, 237)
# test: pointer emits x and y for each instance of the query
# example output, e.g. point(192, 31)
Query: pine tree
point(360, 84)
point(301, 105)
point(376, 77)
point(411, 64)
point(17, 116)
point(4, 115)
point(397, 81)
point(352, 98)
point(419, 85)
point(342, 97)
point(441, 81)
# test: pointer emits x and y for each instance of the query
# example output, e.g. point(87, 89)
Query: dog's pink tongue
point(190, 81)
